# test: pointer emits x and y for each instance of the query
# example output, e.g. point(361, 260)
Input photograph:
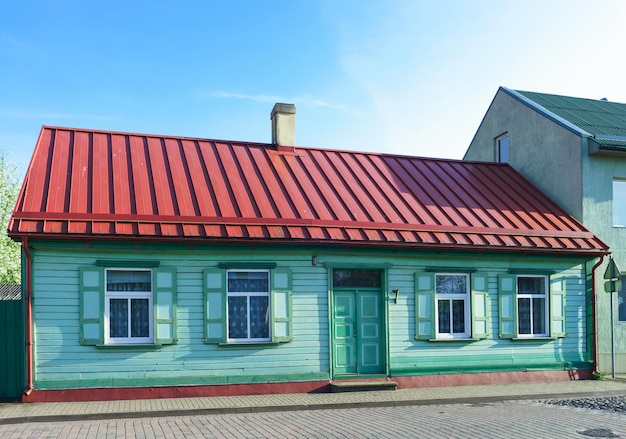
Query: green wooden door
point(358, 343)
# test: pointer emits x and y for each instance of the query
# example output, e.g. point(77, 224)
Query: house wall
point(61, 362)
point(557, 169)
point(599, 172)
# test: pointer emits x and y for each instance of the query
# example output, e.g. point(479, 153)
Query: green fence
point(12, 349)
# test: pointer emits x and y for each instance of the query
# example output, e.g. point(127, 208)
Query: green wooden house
point(169, 266)
point(573, 150)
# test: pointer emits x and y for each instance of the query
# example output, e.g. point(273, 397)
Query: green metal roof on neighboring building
point(602, 120)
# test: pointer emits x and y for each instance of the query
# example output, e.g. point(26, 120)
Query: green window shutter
point(480, 305)
point(557, 305)
point(214, 305)
point(282, 325)
point(508, 305)
point(91, 285)
point(165, 305)
point(424, 306)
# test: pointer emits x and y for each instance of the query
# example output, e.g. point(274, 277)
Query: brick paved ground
point(25, 413)
point(518, 419)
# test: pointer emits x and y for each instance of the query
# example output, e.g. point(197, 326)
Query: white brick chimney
point(284, 125)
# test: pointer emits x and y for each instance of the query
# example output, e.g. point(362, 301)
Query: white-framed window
point(452, 297)
point(619, 203)
point(128, 310)
point(248, 305)
point(127, 305)
point(621, 301)
point(502, 148)
point(451, 305)
point(532, 306)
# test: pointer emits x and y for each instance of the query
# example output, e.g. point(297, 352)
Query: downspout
point(29, 318)
point(594, 315)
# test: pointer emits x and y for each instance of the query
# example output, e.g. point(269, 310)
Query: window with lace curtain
point(128, 306)
point(532, 305)
point(248, 305)
point(452, 296)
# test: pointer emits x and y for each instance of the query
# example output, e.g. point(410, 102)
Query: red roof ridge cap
point(271, 146)
point(152, 135)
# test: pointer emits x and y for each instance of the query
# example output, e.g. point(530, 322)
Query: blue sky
point(408, 77)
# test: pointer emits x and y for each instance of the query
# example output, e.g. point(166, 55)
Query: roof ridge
point(601, 100)
point(248, 143)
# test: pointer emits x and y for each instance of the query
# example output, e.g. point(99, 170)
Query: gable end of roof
point(545, 112)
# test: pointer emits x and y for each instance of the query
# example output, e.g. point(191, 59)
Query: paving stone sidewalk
point(51, 412)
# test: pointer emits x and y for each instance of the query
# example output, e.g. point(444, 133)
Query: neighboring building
point(170, 266)
point(574, 150)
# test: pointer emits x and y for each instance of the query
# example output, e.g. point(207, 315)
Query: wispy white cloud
point(242, 96)
point(301, 100)
point(430, 70)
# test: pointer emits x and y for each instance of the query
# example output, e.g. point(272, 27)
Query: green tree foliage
point(10, 260)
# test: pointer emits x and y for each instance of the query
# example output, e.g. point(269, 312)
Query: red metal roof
point(109, 185)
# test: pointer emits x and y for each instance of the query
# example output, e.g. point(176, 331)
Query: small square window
point(356, 278)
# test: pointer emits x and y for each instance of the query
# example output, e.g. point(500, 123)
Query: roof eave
point(590, 253)
point(596, 147)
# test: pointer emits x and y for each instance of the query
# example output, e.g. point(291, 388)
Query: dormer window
point(502, 148)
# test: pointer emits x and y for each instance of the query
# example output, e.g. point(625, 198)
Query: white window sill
point(467, 339)
point(129, 346)
point(246, 344)
point(540, 338)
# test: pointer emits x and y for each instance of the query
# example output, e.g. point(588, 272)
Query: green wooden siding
point(60, 357)
point(63, 361)
point(495, 353)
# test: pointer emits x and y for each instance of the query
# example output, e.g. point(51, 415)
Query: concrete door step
point(362, 386)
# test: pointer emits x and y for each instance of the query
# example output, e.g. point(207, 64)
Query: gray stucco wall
point(599, 172)
point(531, 135)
